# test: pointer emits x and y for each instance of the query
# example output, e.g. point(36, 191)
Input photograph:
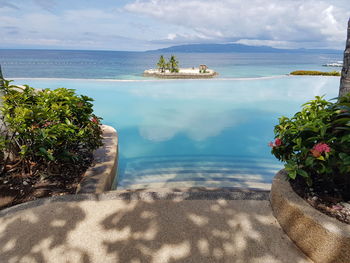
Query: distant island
point(171, 70)
point(315, 73)
point(238, 48)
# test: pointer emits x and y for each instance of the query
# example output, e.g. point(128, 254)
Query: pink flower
point(94, 120)
point(278, 142)
point(322, 147)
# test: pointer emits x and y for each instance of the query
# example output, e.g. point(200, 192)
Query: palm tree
point(168, 66)
point(345, 74)
point(174, 64)
point(161, 64)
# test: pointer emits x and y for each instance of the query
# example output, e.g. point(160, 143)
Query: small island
point(314, 73)
point(171, 70)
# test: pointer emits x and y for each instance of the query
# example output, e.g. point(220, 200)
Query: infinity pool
point(210, 133)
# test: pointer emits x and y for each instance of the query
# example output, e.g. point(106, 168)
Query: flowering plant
point(315, 142)
point(47, 126)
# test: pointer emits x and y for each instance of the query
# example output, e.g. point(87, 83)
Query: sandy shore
point(184, 73)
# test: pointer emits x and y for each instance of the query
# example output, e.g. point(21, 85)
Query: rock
point(337, 207)
point(345, 205)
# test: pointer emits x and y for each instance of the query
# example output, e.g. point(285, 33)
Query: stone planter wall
point(99, 178)
point(322, 238)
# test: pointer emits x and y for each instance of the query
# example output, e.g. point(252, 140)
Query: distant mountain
point(237, 48)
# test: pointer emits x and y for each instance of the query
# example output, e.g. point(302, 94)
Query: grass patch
point(315, 73)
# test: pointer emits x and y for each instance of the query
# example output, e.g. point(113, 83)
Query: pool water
point(183, 133)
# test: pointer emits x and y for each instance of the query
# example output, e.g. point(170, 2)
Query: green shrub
point(315, 143)
point(48, 126)
point(315, 73)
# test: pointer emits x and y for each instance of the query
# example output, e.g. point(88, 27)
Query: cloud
point(7, 4)
point(48, 5)
point(317, 22)
point(151, 24)
point(72, 28)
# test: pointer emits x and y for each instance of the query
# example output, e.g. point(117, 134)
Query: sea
point(184, 133)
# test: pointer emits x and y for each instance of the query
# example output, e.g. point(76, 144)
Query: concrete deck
point(146, 228)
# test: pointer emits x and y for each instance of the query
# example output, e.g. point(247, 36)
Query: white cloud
point(71, 28)
point(316, 22)
point(171, 36)
point(150, 24)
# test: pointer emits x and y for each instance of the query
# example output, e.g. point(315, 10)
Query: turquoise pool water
point(196, 132)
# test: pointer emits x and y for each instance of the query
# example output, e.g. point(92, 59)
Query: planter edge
point(322, 238)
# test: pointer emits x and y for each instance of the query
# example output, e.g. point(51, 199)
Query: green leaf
point(309, 161)
point(321, 158)
point(303, 173)
point(43, 150)
point(292, 174)
point(50, 157)
point(309, 181)
point(342, 121)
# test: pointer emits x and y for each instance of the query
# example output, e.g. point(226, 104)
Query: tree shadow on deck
point(198, 231)
point(31, 236)
point(117, 227)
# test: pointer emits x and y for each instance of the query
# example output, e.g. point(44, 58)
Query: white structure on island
point(184, 73)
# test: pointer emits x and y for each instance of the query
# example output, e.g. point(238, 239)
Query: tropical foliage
point(315, 142)
point(162, 65)
point(172, 65)
point(46, 126)
point(315, 73)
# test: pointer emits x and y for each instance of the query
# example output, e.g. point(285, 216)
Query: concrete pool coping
point(99, 177)
point(194, 193)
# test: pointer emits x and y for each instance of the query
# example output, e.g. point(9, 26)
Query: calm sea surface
point(184, 132)
point(130, 65)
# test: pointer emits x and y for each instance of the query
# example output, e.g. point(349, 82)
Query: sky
point(136, 25)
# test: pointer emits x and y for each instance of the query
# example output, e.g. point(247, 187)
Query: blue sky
point(152, 24)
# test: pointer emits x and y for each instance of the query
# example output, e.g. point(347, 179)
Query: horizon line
point(162, 49)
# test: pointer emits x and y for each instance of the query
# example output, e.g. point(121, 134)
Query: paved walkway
point(148, 228)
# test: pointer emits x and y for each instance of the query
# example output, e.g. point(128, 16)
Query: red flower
point(278, 142)
point(94, 120)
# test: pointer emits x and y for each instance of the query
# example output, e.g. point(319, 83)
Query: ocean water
point(180, 133)
point(130, 65)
